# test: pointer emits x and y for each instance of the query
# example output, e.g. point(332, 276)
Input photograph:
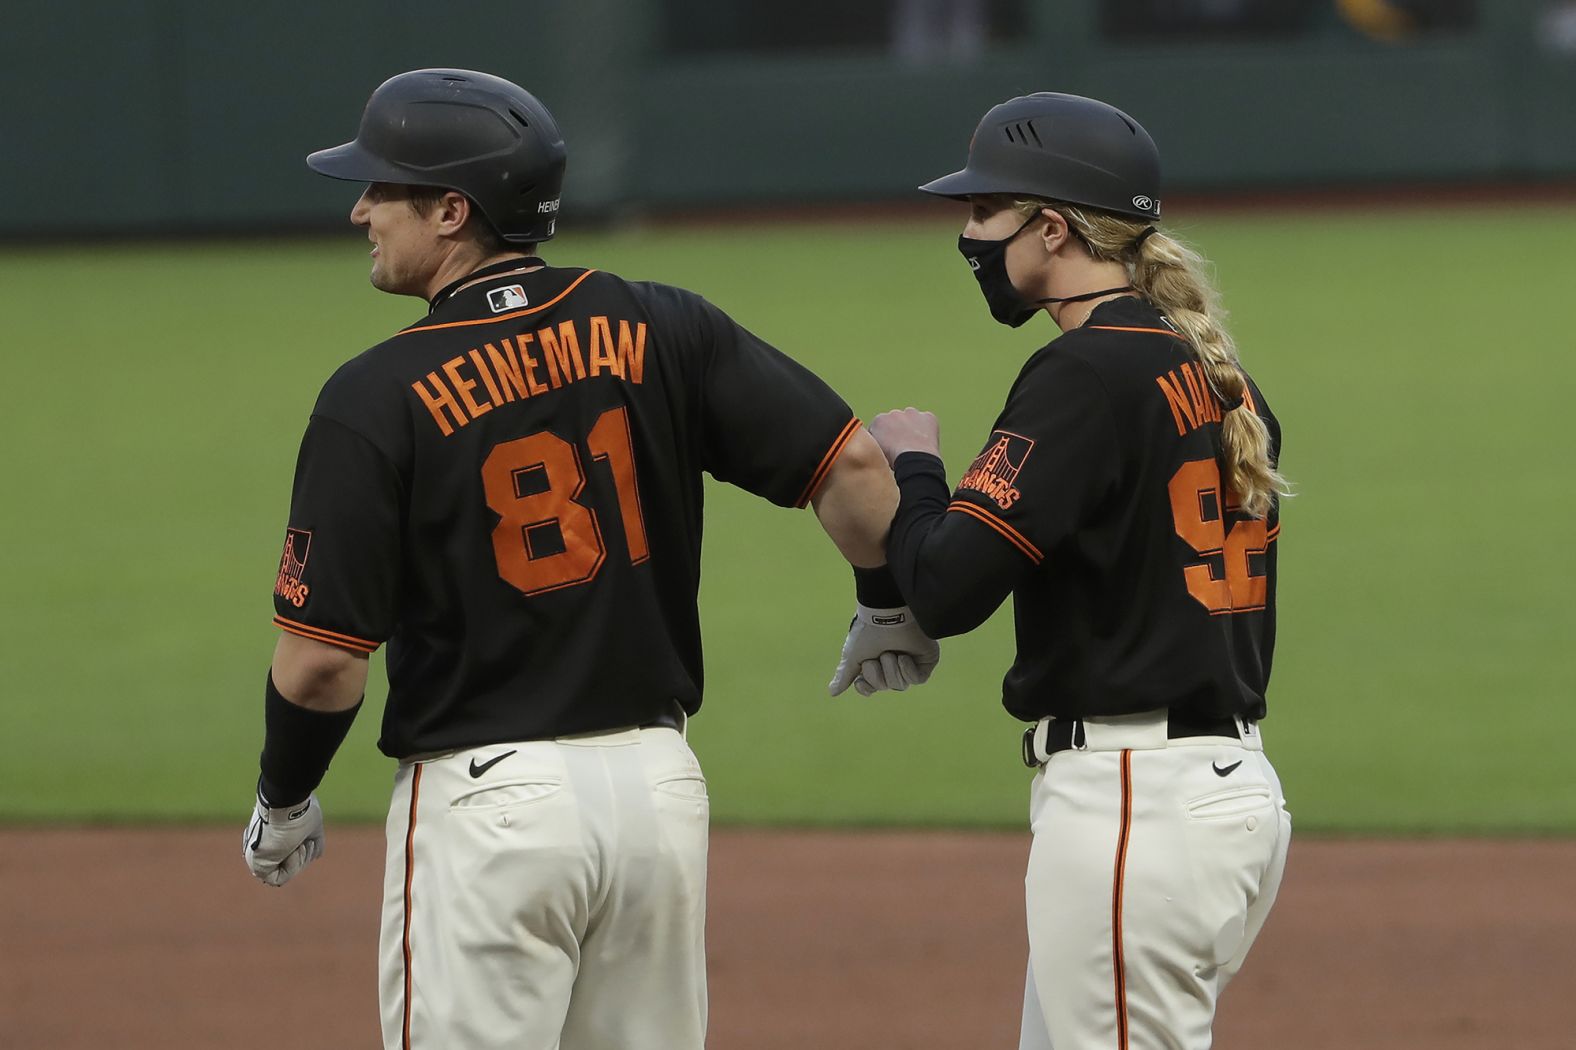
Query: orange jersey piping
point(1007, 532)
point(827, 462)
point(1152, 331)
point(501, 317)
point(318, 634)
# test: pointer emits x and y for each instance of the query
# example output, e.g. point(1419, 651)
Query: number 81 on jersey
point(546, 540)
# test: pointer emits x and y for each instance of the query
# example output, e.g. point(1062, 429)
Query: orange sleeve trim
point(503, 317)
point(1272, 533)
point(1152, 331)
point(827, 461)
point(318, 634)
point(1007, 532)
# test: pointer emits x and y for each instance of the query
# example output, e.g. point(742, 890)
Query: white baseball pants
point(554, 900)
point(1153, 867)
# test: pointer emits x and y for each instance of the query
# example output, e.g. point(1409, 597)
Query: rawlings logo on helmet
point(1143, 203)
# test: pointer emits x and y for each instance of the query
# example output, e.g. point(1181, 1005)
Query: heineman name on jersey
point(530, 364)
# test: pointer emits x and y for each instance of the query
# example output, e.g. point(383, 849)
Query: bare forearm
point(316, 676)
point(856, 503)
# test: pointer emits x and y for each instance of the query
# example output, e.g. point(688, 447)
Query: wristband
point(877, 588)
point(298, 744)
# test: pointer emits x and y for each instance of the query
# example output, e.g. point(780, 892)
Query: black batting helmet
point(1062, 147)
point(473, 133)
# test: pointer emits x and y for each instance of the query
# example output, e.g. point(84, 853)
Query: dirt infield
point(144, 939)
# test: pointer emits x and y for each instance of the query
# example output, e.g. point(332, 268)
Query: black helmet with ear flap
point(1062, 147)
point(456, 129)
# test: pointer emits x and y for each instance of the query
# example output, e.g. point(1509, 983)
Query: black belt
point(1064, 734)
point(666, 720)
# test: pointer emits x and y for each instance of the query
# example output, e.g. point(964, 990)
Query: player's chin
point(383, 280)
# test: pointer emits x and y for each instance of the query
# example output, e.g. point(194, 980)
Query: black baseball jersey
point(1097, 503)
point(508, 492)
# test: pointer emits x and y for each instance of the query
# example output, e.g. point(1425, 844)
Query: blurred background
point(1387, 189)
point(169, 116)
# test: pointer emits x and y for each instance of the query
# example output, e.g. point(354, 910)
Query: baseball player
point(508, 493)
point(1127, 497)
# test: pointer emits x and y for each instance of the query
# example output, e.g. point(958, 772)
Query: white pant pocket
point(1230, 802)
point(688, 787)
point(509, 793)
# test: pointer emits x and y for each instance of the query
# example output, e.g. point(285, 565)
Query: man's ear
point(452, 213)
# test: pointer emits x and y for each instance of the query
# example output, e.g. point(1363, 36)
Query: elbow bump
point(862, 458)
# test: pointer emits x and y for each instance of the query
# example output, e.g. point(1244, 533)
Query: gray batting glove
point(885, 649)
point(281, 840)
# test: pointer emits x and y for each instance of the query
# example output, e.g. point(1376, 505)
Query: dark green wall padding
point(173, 116)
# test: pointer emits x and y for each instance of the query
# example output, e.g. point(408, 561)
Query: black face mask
point(988, 260)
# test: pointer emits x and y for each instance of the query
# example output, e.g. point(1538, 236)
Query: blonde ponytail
point(1174, 278)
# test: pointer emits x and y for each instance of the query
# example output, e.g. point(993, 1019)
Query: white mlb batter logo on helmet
point(509, 297)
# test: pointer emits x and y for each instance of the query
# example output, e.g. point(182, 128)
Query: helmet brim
point(353, 163)
point(961, 185)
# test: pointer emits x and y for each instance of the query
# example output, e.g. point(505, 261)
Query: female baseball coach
point(1127, 498)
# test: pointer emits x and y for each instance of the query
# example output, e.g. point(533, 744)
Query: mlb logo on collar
point(509, 297)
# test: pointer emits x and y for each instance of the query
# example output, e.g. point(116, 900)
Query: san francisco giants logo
point(995, 472)
point(292, 566)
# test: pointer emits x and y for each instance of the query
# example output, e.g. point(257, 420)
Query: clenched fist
point(906, 430)
point(281, 840)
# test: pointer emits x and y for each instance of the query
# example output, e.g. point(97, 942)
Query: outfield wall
point(173, 115)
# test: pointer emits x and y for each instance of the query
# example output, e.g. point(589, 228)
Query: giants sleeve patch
point(995, 472)
point(292, 566)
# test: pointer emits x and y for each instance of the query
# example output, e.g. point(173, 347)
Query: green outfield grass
point(154, 397)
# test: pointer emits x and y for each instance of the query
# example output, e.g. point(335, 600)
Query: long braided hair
point(1175, 279)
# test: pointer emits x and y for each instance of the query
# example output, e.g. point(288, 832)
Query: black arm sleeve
point(1051, 459)
point(953, 570)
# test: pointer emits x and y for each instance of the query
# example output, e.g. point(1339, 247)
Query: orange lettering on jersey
point(1211, 402)
point(536, 385)
point(508, 369)
point(1191, 399)
point(525, 339)
point(487, 379)
point(292, 566)
point(994, 472)
point(436, 403)
point(563, 349)
point(602, 350)
point(1181, 408)
point(1195, 392)
point(632, 352)
point(625, 358)
point(451, 368)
